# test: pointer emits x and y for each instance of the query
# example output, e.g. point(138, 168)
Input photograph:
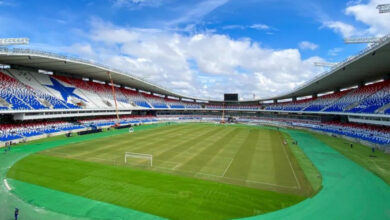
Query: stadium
point(83, 140)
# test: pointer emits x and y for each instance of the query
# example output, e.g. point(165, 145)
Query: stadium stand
point(370, 133)
point(31, 82)
point(17, 95)
point(352, 99)
point(12, 131)
point(323, 101)
point(136, 99)
point(25, 90)
point(192, 105)
point(111, 121)
point(101, 94)
point(156, 102)
point(376, 101)
point(175, 104)
point(290, 106)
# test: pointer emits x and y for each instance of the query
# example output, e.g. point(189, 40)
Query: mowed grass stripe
point(157, 147)
point(178, 149)
point(73, 151)
point(108, 142)
point(165, 143)
point(264, 169)
point(191, 150)
point(206, 133)
point(220, 163)
point(209, 152)
point(283, 171)
point(242, 161)
point(128, 144)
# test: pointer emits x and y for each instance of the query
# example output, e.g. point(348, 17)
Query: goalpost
point(140, 156)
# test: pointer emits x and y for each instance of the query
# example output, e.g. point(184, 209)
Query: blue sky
point(201, 48)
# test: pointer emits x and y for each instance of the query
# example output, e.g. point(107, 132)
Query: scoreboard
point(231, 97)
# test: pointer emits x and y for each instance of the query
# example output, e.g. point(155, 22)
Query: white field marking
point(177, 165)
point(229, 178)
point(207, 174)
point(230, 163)
point(6, 185)
point(61, 154)
point(271, 184)
point(166, 161)
point(289, 162)
point(98, 158)
point(378, 166)
point(247, 181)
point(167, 168)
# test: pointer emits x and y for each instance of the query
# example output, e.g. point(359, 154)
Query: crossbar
point(139, 155)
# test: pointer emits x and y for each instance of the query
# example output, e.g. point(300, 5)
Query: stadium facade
point(45, 94)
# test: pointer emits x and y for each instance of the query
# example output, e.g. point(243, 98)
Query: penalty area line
point(6, 185)
point(289, 162)
point(224, 172)
point(224, 177)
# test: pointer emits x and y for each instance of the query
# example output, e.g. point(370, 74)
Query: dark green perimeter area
point(161, 194)
point(377, 162)
point(310, 171)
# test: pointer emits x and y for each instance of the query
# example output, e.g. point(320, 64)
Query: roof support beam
point(13, 41)
point(361, 40)
point(383, 8)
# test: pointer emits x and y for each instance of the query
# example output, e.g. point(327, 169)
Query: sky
point(201, 48)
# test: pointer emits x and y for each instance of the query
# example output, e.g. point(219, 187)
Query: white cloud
point(260, 26)
point(378, 24)
point(242, 27)
point(233, 26)
point(374, 23)
point(202, 65)
point(335, 51)
point(346, 30)
point(196, 12)
point(7, 3)
point(307, 45)
point(137, 4)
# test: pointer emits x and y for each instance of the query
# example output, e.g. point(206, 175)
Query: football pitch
point(200, 171)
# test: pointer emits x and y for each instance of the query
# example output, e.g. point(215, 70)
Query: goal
point(139, 156)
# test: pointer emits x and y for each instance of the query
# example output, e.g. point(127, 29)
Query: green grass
point(161, 194)
point(200, 171)
point(360, 154)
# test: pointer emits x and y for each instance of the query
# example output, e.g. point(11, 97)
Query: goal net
point(130, 155)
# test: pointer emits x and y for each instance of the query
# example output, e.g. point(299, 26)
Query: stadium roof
point(79, 68)
point(371, 64)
